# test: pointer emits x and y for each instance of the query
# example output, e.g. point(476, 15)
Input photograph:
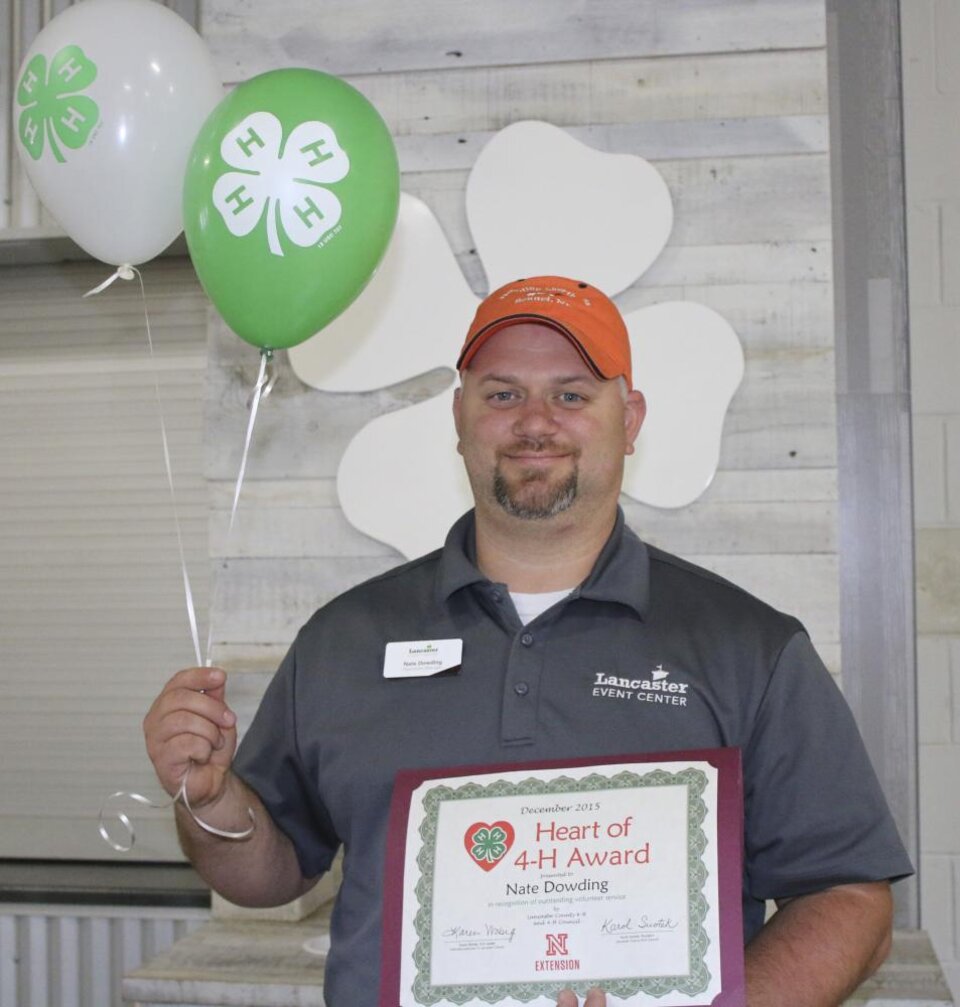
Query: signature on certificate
point(637, 925)
point(488, 930)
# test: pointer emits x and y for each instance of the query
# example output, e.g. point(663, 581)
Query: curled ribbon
point(180, 796)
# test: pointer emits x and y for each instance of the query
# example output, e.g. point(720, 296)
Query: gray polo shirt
point(332, 731)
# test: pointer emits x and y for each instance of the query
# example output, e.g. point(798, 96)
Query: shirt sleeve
point(268, 760)
point(815, 815)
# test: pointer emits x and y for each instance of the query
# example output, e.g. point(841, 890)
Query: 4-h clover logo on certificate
point(282, 180)
point(52, 105)
point(488, 844)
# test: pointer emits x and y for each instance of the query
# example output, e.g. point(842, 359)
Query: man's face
point(540, 434)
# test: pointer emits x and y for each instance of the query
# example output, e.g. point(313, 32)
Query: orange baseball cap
point(585, 315)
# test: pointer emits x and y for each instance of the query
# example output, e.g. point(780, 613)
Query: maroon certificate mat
point(506, 884)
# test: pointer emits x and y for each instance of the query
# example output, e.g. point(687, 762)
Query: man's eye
point(571, 398)
point(501, 396)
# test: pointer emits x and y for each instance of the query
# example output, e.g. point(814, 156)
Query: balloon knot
point(125, 272)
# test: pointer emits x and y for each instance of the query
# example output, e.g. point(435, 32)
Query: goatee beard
point(540, 506)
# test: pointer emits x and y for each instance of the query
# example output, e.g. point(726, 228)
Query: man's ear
point(634, 413)
point(457, 392)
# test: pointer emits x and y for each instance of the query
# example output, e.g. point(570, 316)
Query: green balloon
point(290, 199)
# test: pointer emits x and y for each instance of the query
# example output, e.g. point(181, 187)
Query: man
point(546, 588)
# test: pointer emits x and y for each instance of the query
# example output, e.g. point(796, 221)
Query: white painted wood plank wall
point(729, 99)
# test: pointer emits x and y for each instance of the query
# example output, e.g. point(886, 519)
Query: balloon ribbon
point(262, 388)
point(181, 796)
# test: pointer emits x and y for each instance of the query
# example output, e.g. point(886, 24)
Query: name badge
point(421, 658)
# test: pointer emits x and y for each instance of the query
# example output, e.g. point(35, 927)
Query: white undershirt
point(529, 606)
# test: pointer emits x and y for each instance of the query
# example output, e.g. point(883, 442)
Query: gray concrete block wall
point(931, 87)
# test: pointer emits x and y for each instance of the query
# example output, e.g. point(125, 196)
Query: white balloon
point(109, 100)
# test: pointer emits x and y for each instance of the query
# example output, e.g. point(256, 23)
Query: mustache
point(537, 445)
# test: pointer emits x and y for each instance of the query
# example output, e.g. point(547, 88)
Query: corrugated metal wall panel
point(71, 956)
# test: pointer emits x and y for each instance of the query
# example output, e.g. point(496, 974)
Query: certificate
point(507, 884)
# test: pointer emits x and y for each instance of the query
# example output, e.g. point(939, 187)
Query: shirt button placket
point(519, 698)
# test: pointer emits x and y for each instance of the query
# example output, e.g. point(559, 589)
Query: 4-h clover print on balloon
point(289, 201)
point(53, 108)
point(280, 178)
point(539, 202)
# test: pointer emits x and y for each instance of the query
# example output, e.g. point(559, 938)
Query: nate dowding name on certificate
point(550, 887)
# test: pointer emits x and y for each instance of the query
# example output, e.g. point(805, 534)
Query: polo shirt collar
point(458, 568)
point(621, 573)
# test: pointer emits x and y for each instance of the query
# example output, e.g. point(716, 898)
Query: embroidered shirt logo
point(656, 687)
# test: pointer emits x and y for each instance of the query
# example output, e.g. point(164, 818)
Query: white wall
point(931, 84)
point(729, 101)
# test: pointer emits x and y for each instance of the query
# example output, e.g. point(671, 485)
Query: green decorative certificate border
point(695, 981)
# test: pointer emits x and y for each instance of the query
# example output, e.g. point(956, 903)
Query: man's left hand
point(594, 998)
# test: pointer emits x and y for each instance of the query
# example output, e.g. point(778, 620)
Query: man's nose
point(535, 417)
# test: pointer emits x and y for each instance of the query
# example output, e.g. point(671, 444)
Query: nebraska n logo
point(556, 945)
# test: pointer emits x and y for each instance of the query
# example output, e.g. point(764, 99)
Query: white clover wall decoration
point(538, 202)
